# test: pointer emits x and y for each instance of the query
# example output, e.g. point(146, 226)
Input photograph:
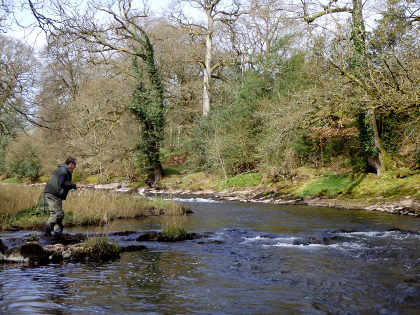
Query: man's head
point(71, 162)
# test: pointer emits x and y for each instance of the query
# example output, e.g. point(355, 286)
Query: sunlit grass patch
point(329, 185)
point(388, 185)
point(193, 181)
point(12, 180)
point(242, 181)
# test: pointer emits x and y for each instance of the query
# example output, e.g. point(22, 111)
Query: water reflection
point(33, 290)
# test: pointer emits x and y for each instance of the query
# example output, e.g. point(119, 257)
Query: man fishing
point(56, 190)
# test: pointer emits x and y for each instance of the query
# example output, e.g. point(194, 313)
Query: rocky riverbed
point(78, 247)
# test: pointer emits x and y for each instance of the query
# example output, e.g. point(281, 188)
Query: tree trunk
point(158, 173)
point(207, 64)
point(358, 33)
point(376, 159)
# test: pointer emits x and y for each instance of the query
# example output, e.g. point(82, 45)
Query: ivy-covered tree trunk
point(375, 154)
point(149, 109)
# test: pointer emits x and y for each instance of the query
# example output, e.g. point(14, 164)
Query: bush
point(22, 158)
point(227, 138)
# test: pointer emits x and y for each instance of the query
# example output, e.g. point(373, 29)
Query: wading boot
point(48, 230)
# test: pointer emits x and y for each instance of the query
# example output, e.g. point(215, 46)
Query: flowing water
point(258, 259)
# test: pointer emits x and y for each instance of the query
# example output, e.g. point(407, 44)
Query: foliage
point(227, 138)
point(22, 158)
point(282, 98)
point(148, 108)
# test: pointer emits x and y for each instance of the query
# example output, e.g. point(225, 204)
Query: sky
point(36, 38)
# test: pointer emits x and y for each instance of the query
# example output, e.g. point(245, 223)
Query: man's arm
point(65, 183)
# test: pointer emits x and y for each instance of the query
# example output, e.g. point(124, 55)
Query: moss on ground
point(329, 185)
point(242, 181)
point(310, 183)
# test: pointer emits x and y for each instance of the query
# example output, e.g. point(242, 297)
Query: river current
point(258, 259)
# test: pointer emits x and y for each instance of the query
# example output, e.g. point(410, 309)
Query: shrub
point(227, 138)
point(22, 158)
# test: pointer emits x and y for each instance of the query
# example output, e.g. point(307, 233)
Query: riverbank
point(394, 192)
point(406, 206)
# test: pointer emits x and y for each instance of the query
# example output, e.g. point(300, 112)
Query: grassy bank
point(18, 207)
point(307, 182)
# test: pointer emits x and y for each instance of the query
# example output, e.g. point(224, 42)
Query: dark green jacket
point(60, 182)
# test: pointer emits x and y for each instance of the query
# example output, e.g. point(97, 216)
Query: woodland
point(226, 87)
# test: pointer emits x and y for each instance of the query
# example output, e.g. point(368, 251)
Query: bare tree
point(17, 79)
point(214, 12)
point(119, 31)
point(5, 10)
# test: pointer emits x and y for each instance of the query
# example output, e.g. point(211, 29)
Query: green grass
point(92, 180)
point(138, 184)
point(172, 232)
point(242, 181)
point(173, 170)
point(388, 185)
point(329, 185)
point(12, 181)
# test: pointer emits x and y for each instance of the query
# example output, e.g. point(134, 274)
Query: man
point(55, 192)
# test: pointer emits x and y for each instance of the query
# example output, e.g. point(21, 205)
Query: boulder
point(162, 237)
point(29, 252)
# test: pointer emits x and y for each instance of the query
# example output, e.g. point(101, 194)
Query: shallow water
point(271, 260)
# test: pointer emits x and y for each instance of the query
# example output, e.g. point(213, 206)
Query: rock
point(3, 247)
point(64, 239)
point(84, 252)
point(14, 229)
point(111, 186)
point(122, 233)
point(133, 248)
point(217, 242)
point(30, 252)
point(147, 237)
point(161, 237)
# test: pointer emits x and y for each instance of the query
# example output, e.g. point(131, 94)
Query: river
point(259, 259)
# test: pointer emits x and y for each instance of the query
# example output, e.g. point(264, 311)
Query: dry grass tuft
point(81, 207)
point(14, 198)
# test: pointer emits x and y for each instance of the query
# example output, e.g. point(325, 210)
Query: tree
point(354, 72)
point(5, 9)
point(375, 79)
point(17, 79)
point(123, 34)
point(214, 12)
